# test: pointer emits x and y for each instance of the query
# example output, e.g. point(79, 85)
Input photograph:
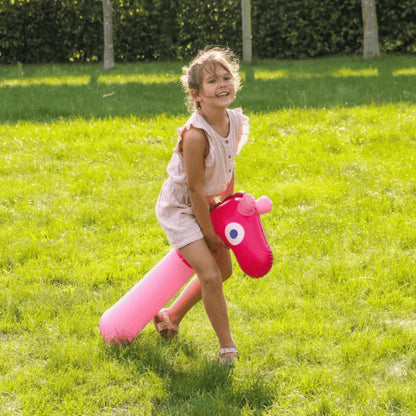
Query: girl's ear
point(194, 93)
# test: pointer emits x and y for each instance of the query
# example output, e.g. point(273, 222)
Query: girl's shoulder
point(193, 129)
point(195, 121)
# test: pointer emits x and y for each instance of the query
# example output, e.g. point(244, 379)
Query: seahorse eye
point(234, 233)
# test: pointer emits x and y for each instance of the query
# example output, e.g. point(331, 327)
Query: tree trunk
point(371, 45)
point(246, 23)
point(108, 36)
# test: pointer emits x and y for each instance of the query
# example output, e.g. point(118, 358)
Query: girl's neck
point(217, 119)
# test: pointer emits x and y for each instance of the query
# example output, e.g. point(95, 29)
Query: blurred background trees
point(36, 31)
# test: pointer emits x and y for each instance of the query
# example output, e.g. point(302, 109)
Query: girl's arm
point(194, 146)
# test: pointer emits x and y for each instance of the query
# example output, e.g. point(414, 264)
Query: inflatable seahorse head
point(237, 222)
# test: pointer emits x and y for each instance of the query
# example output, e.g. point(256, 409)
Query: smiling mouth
point(223, 94)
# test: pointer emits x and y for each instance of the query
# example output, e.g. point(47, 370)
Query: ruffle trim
point(196, 121)
point(244, 130)
point(193, 121)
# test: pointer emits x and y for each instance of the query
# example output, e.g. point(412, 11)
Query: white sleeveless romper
point(174, 210)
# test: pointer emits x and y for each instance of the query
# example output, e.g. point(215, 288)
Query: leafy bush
point(39, 31)
point(299, 28)
point(36, 31)
point(397, 25)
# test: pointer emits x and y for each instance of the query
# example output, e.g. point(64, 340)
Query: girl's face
point(217, 88)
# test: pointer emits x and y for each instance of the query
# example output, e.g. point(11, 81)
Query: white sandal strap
point(224, 351)
point(166, 323)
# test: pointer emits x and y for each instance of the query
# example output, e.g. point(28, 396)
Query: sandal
point(165, 327)
point(226, 360)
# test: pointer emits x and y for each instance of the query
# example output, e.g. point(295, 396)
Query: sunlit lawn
point(329, 331)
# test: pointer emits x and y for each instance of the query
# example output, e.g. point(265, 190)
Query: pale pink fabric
point(173, 209)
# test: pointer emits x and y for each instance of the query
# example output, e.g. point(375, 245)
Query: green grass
point(329, 331)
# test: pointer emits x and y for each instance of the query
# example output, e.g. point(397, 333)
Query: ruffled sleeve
point(243, 130)
point(193, 121)
point(198, 122)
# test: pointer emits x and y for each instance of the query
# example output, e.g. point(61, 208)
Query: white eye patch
point(234, 233)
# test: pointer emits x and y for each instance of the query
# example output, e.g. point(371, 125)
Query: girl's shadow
point(190, 378)
point(178, 361)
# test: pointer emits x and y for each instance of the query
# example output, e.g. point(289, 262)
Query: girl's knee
point(210, 278)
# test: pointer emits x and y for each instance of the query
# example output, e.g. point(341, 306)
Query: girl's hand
point(214, 243)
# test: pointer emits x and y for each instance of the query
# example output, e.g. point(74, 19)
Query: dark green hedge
point(37, 31)
point(397, 25)
point(50, 31)
point(307, 28)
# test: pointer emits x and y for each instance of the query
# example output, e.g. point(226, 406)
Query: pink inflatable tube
point(126, 318)
point(237, 221)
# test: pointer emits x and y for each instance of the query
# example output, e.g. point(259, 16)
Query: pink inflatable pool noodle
point(126, 318)
point(237, 222)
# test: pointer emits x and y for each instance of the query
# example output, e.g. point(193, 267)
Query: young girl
point(202, 168)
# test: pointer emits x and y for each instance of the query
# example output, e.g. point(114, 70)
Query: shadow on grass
point(195, 385)
point(47, 93)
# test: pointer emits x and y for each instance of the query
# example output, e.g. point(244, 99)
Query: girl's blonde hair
point(207, 59)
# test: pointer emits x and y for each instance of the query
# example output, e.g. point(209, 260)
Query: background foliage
point(38, 31)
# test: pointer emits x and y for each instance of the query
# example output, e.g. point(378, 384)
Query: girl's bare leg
point(192, 293)
point(209, 274)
